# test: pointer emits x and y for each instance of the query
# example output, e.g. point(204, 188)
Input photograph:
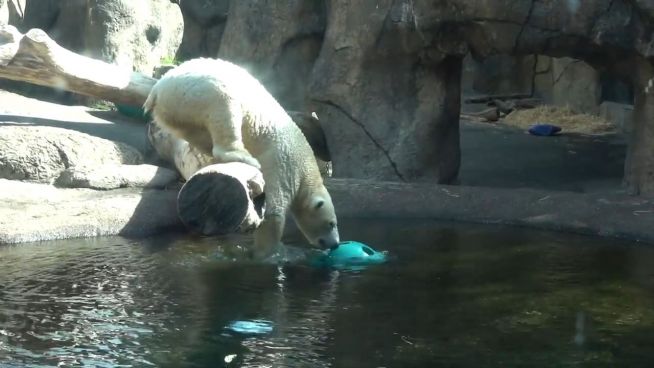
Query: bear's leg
point(226, 137)
point(268, 236)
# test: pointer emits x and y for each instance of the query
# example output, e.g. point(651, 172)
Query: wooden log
point(504, 107)
point(222, 199)
point(527, 103)
point(490, 114)
point(35, 58)
point(186, 159)
point(216, 198)
point(485, 99)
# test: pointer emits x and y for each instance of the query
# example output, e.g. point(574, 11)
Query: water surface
point(455, 295)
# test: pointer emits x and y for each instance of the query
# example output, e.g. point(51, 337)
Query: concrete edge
point(140, 213)
point(601, 214)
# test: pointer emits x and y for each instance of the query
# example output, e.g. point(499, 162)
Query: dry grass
point(569, 120)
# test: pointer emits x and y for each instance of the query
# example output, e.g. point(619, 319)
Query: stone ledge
point(35, 212)
point(611, 214)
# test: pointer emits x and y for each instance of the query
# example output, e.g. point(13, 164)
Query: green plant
point(169, 60)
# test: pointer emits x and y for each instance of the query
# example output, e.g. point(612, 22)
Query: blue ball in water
point(351, 253)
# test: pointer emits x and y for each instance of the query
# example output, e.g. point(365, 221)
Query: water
point(455, 295)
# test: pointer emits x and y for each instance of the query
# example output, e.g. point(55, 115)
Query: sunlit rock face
point(385, 80)
point(136, 34)
point(383, 76)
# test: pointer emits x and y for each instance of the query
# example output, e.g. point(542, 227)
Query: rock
point(395, 118)
point(36, 212)
point(622, 115)
point(278, 42)
point(576, 84)
point(559, 81)
point(4, 12)
point(117, 176)
point(136, 34)
point(12, 11)
point(204, 23)
point(39, 153)
point(501, 74)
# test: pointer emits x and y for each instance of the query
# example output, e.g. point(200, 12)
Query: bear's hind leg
point(234, 155)
point(226, 137)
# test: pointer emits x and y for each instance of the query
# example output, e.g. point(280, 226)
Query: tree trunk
point(35, 58)
point(216, 198)
point(222, 199)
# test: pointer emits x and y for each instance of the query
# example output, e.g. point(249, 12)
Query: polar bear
point(222, 110)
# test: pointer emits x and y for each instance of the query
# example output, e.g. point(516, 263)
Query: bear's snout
point(330, 242)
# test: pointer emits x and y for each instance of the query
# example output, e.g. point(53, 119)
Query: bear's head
point(316, 218)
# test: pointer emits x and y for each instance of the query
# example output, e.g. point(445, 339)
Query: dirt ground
point(501, 156)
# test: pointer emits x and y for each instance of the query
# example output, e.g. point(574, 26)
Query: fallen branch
point(222, 199)
point(35, 58)
point(485, 99)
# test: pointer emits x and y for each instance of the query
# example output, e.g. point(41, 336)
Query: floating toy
point(349, 253)
point(253, 327)
point(544, 129)
point(133, 112)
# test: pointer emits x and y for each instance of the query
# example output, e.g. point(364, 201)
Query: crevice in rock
point(534, 75)
point(524, 25)
point(64, 156)
point(565, 69)
point(367, 133)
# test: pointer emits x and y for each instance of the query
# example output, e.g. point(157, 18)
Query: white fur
point(222, 110)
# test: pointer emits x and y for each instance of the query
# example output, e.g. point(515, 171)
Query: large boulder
point(136, 34)
point(36, 212)
point(41, 154)
point(576, 84)
point(113, 176)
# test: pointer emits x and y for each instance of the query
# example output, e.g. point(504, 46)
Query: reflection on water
point(454, 295)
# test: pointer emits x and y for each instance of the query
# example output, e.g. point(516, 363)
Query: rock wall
point(557, 81)
point(204, 23)
point(386, 79)
point(384, 76)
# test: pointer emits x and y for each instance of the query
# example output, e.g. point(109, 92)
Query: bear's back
point(232, 80)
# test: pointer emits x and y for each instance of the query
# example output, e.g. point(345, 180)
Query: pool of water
point(453, 295)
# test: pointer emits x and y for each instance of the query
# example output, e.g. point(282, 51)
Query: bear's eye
point(320, 204)
point(332, 224)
